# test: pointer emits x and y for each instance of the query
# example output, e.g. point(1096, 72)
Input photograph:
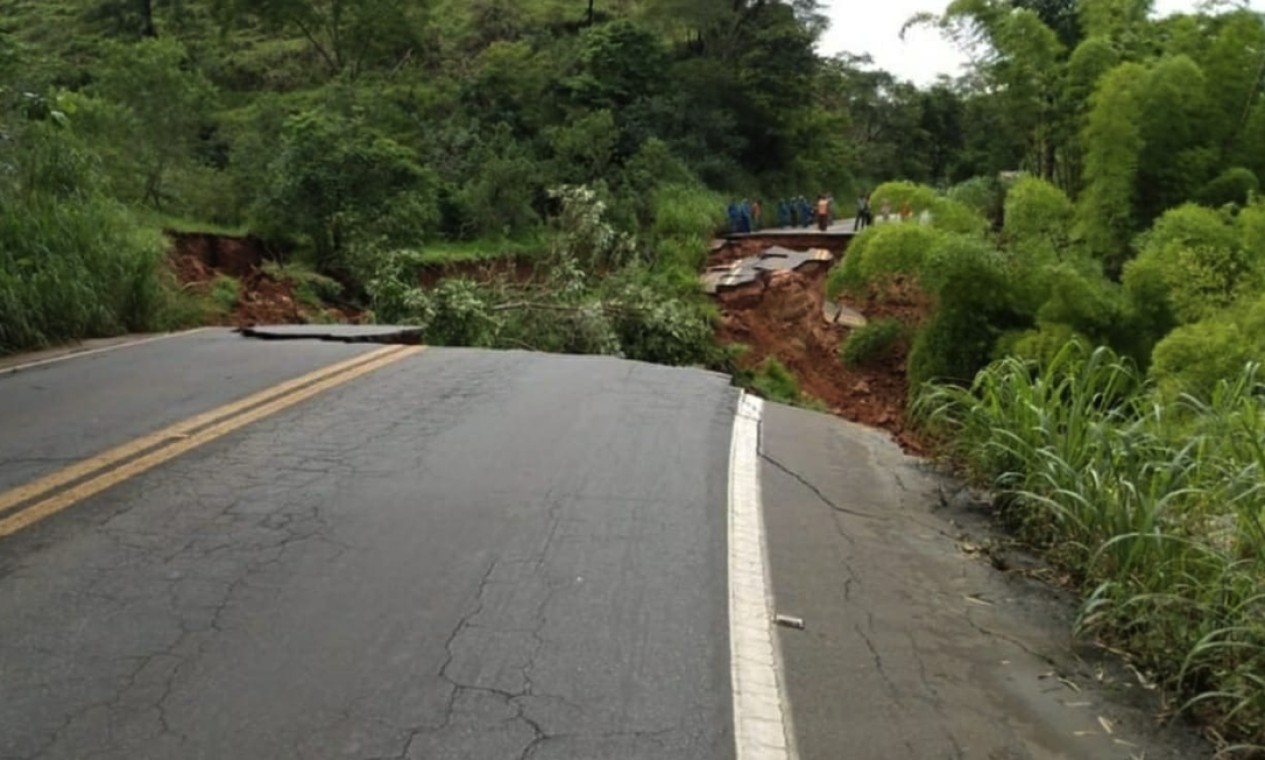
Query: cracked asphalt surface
point(463, 555)
point(503, 556)
point(914, 648)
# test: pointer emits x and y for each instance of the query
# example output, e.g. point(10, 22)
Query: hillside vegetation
point(1093, 244)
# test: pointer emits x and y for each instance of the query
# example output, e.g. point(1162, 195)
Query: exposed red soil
point(233, 256)
point(197, 259)
point(781, 316)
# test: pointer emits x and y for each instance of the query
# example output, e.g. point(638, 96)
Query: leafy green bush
point(983, 195)
point(775, 382)
point(1195, 358)
point(1234, 185)
point(1190, 267)
point(896, 194)
point(1038, 219)
point(974, 308)
point(871, 342)
point(1153, 508)
point(73, 263)
point(340, 183)
point(597, 297)
point(882, 251)
point(687, 211)
point(1043, 344)
point(225, 294)
point(310, 288)
point(946, 214)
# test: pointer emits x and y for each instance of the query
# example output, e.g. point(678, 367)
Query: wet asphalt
point(482, 555)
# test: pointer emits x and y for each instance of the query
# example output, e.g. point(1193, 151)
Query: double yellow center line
point(28, 504)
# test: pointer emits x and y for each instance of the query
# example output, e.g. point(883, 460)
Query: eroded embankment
point(784, 315)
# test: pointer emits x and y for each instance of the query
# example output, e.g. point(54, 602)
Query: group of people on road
point(797, 212)
point(744, 216)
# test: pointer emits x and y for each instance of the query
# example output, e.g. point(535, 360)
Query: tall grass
point(1155, 509)
point(73, 263)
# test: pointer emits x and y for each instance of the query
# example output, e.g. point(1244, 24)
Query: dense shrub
point(1191, 266)
point(1235, 185)
point(596, 296)
point(1154, 509)
point(73, 263)
point(879, 252)
point(687, 211)
point(775, 382)
point(1038, 220)
point(973, 309)
point(1193, 358)
point(871, 342)
point(983, 195)
point(341, 184)
point(946, 214)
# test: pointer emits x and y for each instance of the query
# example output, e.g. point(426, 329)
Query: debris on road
point(788, 621)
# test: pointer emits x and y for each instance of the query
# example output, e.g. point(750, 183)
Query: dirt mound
point(782, 316)
point(230, 255)
point(197, 260)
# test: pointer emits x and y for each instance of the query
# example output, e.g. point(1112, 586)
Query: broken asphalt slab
point(336, 333)
point(746, 271)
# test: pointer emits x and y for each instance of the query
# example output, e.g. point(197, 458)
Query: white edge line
point(761, 720)
point(94, 351)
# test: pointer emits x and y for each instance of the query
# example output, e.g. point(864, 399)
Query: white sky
point(874, 28)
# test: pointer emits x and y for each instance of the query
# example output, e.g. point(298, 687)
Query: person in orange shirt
point(906, 211)
point(823, 213)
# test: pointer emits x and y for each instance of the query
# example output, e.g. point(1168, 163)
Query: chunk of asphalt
point(386, 334)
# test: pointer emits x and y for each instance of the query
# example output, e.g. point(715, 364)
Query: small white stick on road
point(761, 725)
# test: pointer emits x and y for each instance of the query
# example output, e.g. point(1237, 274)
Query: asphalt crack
point(816, 491)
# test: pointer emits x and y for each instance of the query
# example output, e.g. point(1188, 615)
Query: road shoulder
point(914, 646)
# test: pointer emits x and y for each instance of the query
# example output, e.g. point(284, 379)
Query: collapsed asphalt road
point(212, 547)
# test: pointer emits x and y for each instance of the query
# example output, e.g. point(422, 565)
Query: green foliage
point(347, 35)
point(1038, 219)
point(311, 288)
point(946, 214)
point(1175, 161)
point(971, 284)
point(879, 252)
point(1113, 145)
point(1153, 508)
point(773, 381)
point(225, 294)
point(1191, 266)
point(73, 263)
point(1235, 185)
point(340, 184)
point(149, 121)
point(687, 211)
point(1042, 345)
point(1087, 304)
point(596, 297)
point(871, 342)
point(983, 195)
point(1193, 358)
